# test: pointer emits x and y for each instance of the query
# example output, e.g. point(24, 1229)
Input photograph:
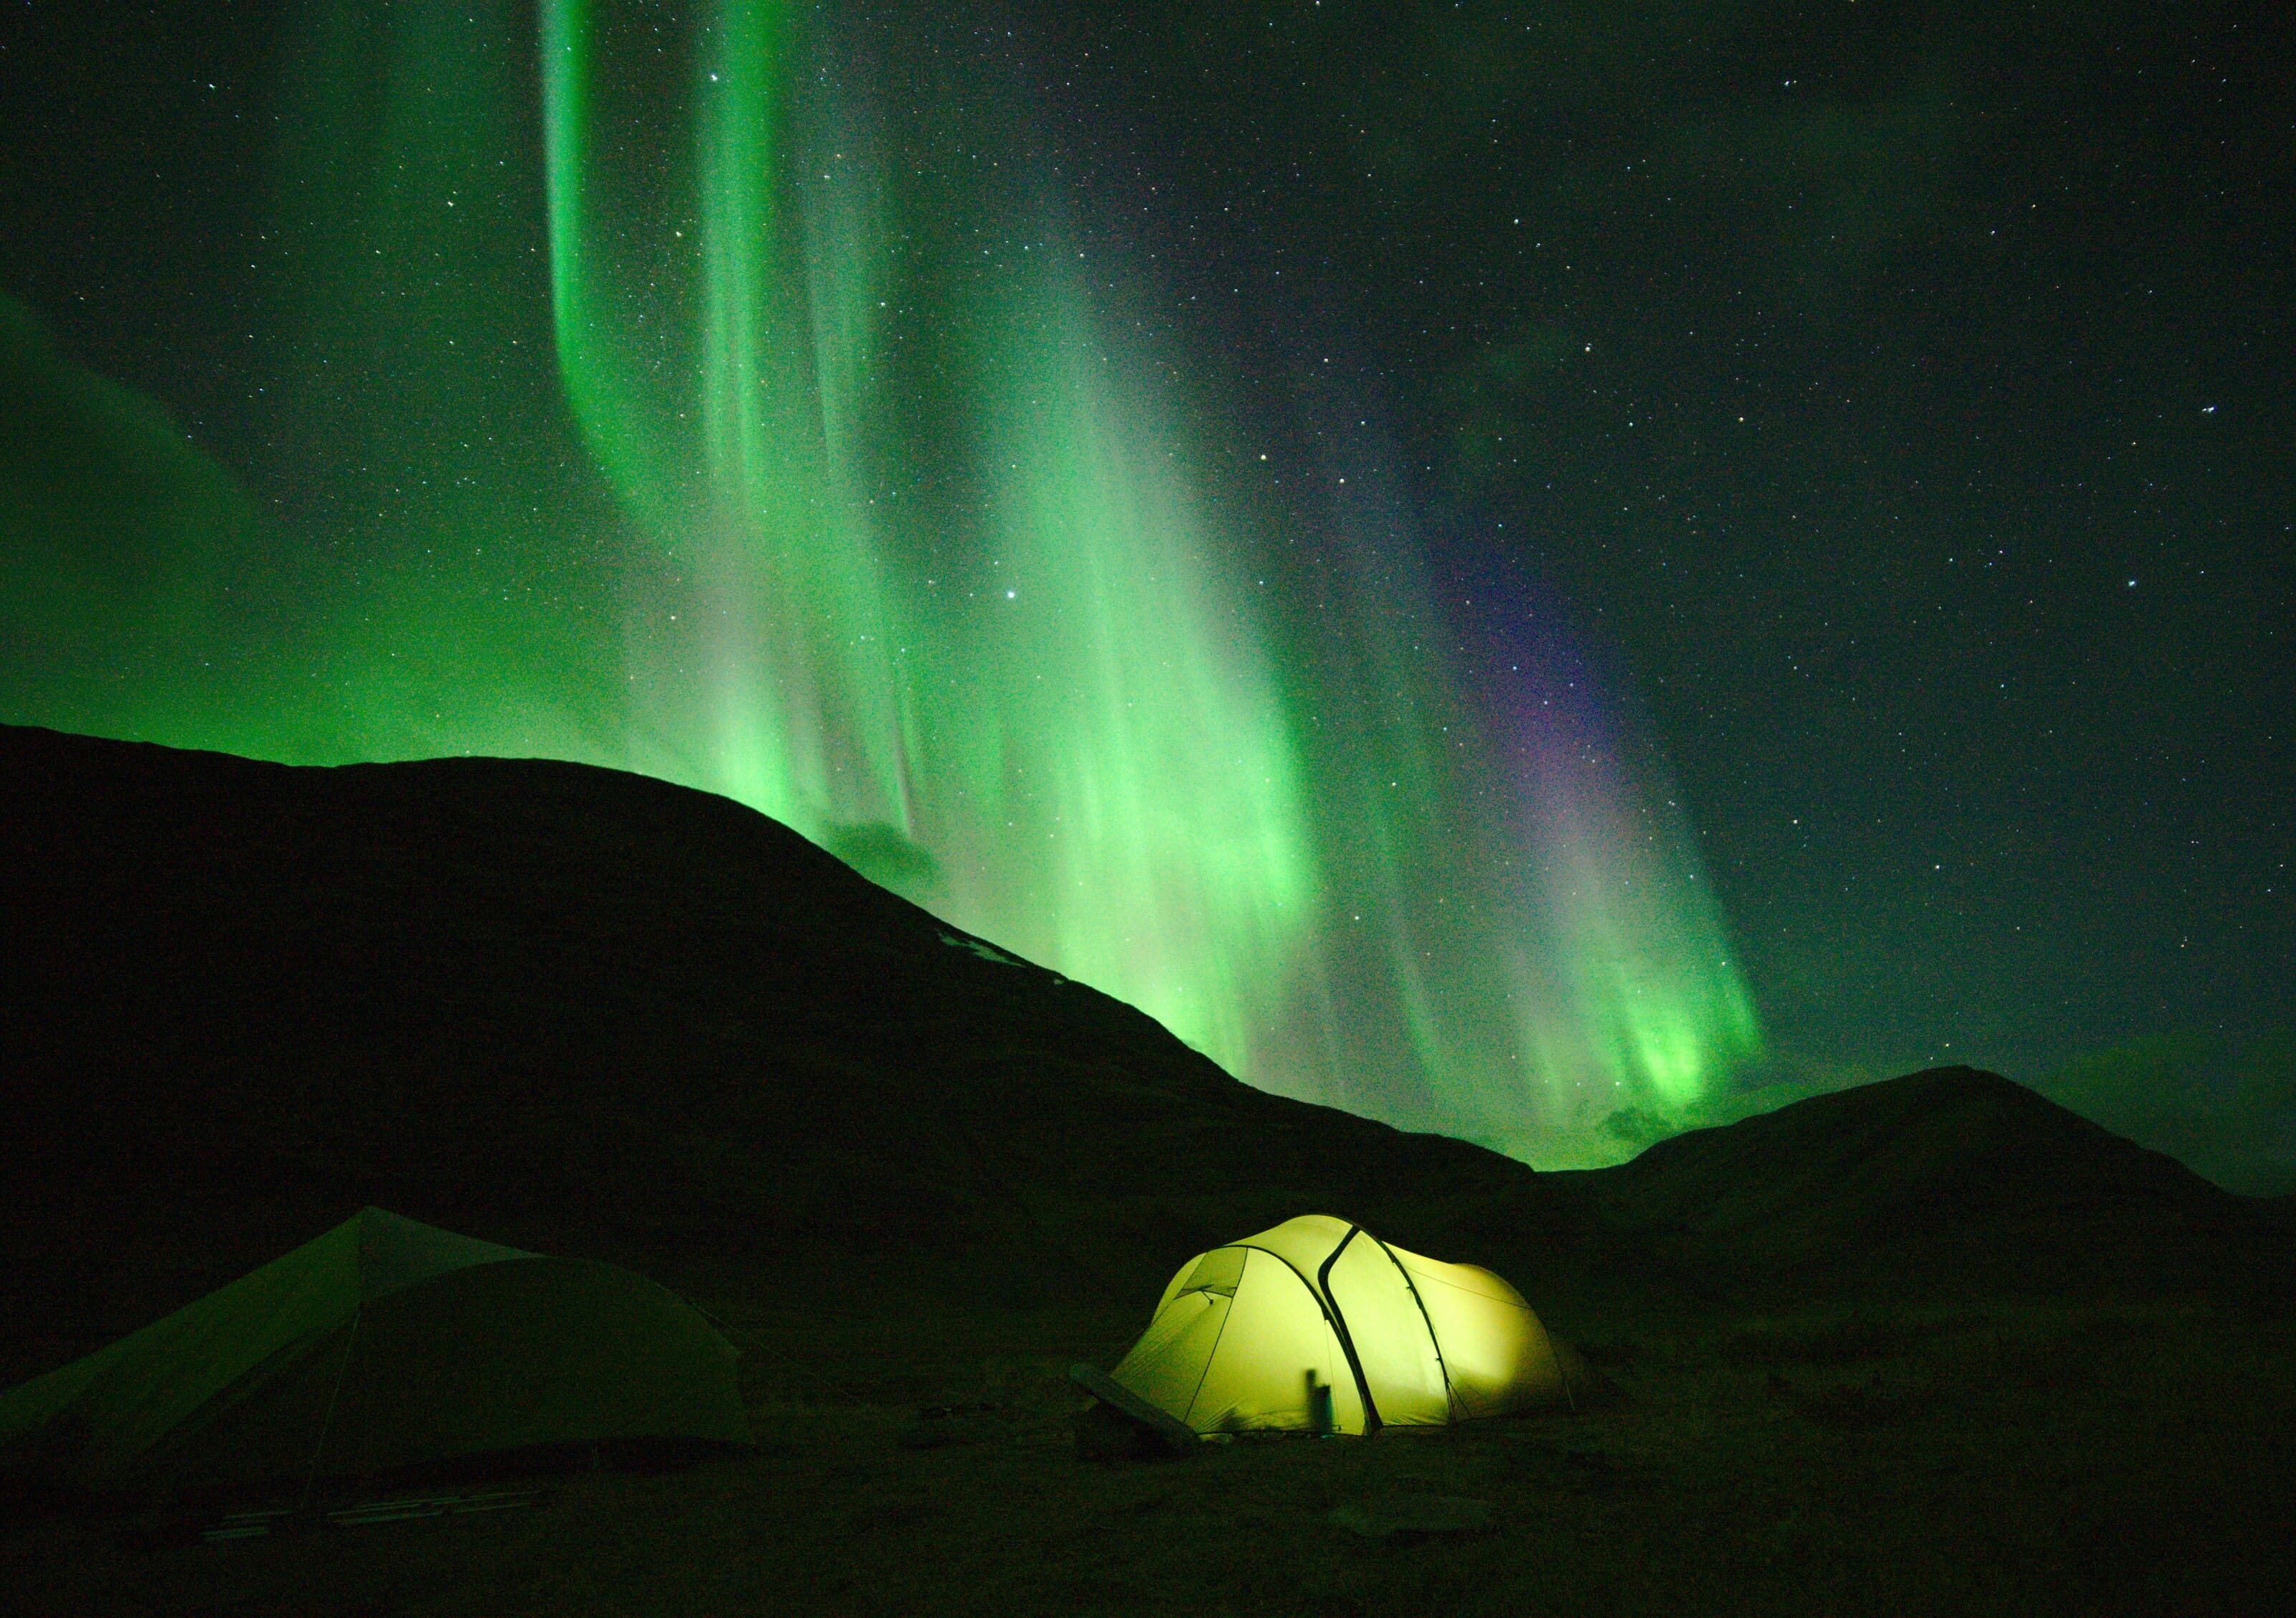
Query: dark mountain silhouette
point(1946, 1143)
point(1951, 1174)
point(592, 1009)
point(592, 1013)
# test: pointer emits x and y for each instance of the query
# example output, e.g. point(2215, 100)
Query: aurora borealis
point(1269, 515)
point(973, 603)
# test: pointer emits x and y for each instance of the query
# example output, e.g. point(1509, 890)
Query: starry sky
point(1794, 501)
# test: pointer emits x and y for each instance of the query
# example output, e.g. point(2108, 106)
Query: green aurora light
point(892, 518)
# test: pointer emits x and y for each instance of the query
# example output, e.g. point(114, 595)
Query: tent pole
point(350, 1346)
point(1372, 1423)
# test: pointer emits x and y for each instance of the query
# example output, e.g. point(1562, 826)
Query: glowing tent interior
point(1318, 1325)
point(382, 1346)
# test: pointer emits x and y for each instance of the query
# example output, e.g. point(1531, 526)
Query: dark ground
point(1990, 1457)
point(1936, 1345)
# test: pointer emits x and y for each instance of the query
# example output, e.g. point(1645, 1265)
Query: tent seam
point(1450, 1399)
point(1211, 1354)
point(327, 1422)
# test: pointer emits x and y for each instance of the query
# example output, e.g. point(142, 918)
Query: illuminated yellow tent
point(383, 1345)
point(1318, 1325)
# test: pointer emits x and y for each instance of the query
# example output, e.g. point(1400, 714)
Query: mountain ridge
point(591, 1011)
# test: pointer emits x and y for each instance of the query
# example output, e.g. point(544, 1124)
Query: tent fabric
point(1245, 1334)
point(384, 1344)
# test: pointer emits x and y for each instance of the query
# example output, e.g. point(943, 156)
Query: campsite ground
point(1963, 1456)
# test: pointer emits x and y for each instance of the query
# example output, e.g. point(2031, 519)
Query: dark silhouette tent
point(383, 1346)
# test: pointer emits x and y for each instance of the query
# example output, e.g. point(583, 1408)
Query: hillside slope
point(1949, 1175)
point(591, 1013)
point(583, 1008)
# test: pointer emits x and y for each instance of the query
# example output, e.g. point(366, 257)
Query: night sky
point(1552, 573)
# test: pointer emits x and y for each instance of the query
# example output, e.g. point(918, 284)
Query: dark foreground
point(2026, 1457)
point(1935, 1344)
